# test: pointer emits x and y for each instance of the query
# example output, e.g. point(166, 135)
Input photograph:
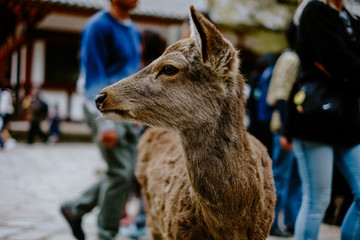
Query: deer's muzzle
point(99, 99)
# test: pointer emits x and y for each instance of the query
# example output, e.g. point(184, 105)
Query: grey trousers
point(111, 191)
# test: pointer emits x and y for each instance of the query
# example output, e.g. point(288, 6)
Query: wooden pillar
point(29, 55)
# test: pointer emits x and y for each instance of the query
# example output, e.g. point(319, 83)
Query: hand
point(109, 138)
point(285, 143)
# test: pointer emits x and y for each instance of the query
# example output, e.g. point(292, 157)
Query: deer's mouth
point(115, 114)
point(116, 111)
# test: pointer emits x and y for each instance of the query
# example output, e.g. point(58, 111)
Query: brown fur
point(203, 176)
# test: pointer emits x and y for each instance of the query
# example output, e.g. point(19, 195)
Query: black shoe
point(290, 230)
point(75, 224)
point(278, 233)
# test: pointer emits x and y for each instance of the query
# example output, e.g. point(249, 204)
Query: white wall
point(38, 63)
point(14, 66)
point(76, 113)
point(63, 22)
point(58, 98)
point(23, 53)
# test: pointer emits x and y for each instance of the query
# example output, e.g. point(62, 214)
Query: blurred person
point(153, 45)
point(287, 182)
point(38, 112)
point(6, 111)
point(54, 127)
point(110, 50)
point(329, 51)
point(259, 111)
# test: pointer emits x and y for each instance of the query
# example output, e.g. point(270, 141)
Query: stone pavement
point(35, 180)
point(70, 131)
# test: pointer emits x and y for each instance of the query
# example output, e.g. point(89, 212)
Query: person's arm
point(109, 135)
point(94, 56)
point(283, 77)
point(331, 47)
point(285, 143)
point(285, 140)
point(288, 121)
point(109, 138)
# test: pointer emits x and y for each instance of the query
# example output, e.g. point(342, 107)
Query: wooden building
point(39, 43)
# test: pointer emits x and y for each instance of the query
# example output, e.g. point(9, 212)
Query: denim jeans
point(316, 162)
point(287, 184)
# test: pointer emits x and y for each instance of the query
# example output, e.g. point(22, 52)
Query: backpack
point(260, 92)
point(39, 109)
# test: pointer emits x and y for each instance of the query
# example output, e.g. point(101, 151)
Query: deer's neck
point(214, 151)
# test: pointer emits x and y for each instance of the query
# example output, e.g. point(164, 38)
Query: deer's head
point(184, 87)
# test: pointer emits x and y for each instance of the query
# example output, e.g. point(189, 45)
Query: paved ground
point(70, 131)
point(34, 180)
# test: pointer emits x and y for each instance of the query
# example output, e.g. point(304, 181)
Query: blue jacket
point(110, 51)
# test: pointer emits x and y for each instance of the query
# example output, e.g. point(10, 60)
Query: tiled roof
point(93, 4)
point(177, 9)
point(269, 14)
point(248, 12)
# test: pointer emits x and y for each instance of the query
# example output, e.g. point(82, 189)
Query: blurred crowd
point(304, 107)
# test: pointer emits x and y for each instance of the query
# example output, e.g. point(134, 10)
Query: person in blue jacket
point(110, 50)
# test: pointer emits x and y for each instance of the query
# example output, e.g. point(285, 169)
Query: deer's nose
point(99, 99)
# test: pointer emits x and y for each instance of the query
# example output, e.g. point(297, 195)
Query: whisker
point(98, 119)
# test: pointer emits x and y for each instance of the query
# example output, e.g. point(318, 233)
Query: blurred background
point(39, 49)
point(39, 39)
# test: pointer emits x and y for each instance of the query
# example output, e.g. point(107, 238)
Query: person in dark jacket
point(38, 111)
point(329, 51)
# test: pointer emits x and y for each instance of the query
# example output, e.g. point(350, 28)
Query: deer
point(203, 176)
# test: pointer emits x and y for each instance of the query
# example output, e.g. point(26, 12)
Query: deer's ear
point(215, 50)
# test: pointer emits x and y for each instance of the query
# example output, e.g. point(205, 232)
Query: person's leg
point(89, 199)
point(293, 197)
point(1, 142)
point(282, 161)
point(86, 201)
point(1, 137)
point(110, 193)
point(74, 210)
point(114, 191)
point(41, 133)
point(32, 132)
point(315, 162)
point(348, 161)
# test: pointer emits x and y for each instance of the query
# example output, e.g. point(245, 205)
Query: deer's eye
point(169, 70)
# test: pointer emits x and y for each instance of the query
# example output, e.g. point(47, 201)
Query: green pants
point(111, 191)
